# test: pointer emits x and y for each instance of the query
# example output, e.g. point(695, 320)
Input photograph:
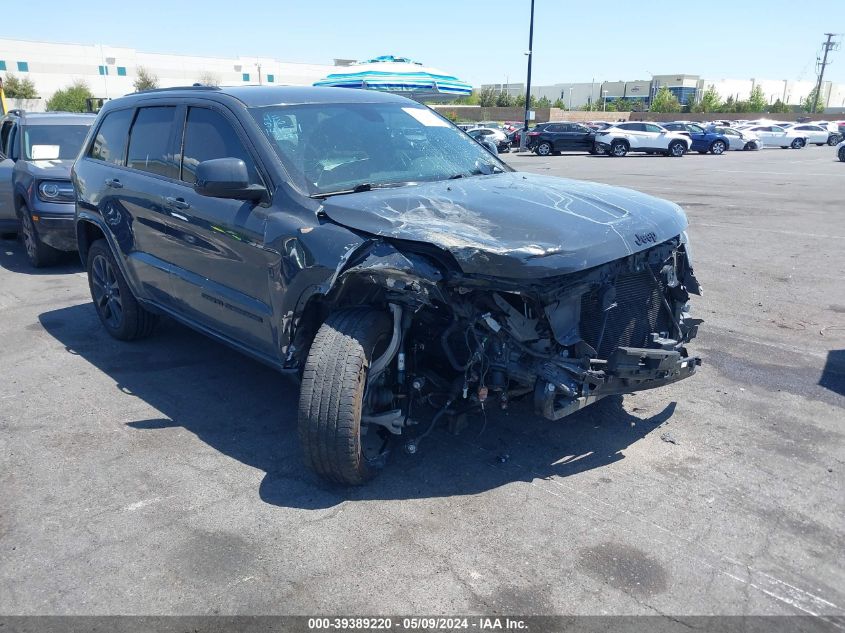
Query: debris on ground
point(668, 437)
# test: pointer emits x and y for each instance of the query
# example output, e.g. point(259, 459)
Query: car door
point(655, 137)
point(634, 133)
point(581, 137)
point(221, 267)
point(135, 169)
point(8, 138)
point(766, 135)
point(562, 136)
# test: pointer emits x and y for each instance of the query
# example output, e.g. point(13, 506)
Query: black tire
point(834, 140)
point(842, 154)
point(37, 252)
point(618, 149)
point(120, 313)
point(718, 147)
point(543, 149)
point(331, 399)
point(676, 149)
point(798, 143)
point(820, 144)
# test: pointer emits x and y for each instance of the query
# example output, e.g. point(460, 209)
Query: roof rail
point(194, 87)
point(17, 111)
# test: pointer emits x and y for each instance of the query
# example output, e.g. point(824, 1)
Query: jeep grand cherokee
point(365, 245)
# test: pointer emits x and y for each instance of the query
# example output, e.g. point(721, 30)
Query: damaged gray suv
point(364, 245)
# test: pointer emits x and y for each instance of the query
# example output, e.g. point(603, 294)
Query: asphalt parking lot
point(164, 477)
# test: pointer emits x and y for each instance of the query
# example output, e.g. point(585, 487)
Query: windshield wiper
point(364, 186)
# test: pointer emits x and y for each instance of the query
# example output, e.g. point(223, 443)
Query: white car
point(738, 140)
point(813, 133)
point(636, 136)
point(840, 151)
point(776, 136)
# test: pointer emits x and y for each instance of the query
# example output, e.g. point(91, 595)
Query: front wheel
point(544, 149)
point(120, 313)
point(677, 149)
point(618, 149)
point(332, 397)
point(38, 253)
point(797, 143)
point(718, 147)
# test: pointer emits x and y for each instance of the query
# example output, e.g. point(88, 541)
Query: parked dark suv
point(553, 138)
point(362, 243)
point(36, 195)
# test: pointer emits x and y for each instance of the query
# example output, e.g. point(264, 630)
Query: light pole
point(523, 137)
point(570, 98)
point(603, 100)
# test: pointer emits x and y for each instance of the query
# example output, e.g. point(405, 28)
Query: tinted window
point(580, 128)
point(4, 137)
point(149, 141)
point(209, 135)
point(53, 142)
point(695, 129)
point(110, 140)
point(650, 127)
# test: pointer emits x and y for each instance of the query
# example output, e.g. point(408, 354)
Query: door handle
point(114, 183)
point(177, 203)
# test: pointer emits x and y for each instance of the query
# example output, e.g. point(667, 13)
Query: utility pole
point(827, 46)
point(523, 138)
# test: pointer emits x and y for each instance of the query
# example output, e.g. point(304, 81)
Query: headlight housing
point(56, 191)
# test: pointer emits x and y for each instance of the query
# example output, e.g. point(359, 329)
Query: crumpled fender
point(410, 276)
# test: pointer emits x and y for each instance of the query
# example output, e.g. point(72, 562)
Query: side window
point(149, 141)
point(110, 140)
point(5, 133)
point(13, 145)
point(564, 127)
point(650, 127)
point(209, 135)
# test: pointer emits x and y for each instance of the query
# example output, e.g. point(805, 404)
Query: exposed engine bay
point(461, 341)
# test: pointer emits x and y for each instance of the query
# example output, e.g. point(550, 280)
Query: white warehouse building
point(110, 71)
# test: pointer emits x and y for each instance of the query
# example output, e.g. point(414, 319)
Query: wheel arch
point(88, 232)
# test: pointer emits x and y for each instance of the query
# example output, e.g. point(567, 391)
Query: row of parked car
point(671, 138)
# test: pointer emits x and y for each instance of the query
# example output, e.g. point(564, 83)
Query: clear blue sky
point(479, 41)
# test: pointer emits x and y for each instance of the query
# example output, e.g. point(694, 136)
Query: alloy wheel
point(106, 292)
point(677, 149)
point(718, 147)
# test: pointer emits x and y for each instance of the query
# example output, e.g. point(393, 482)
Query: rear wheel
point(676, 149)
point(842, 154)
point(544, 149)
point(38, 253)
point(120, 313)
point(718, 147)
point(332, 397)
point(798, 143)
point(618, 148)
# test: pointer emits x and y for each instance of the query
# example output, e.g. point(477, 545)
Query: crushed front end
point(616, 328)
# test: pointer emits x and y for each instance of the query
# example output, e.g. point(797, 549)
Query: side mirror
point(226, 178)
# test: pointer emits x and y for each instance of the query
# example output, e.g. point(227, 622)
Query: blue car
point(703, 141)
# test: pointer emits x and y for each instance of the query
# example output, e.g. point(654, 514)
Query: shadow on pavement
point(833, 374)
point(13, 258)
point(248, 412)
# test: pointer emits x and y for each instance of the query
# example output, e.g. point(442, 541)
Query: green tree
point(145, 80)
point(544, 102)
point(504, 100)
point(779, 107)
point(74, 98)
point(710, 101)
point(19, 88)
point(487, 97)
point(558, 103)
point(471, 99)
point(757, 100)
point(807, 103)
point(665, 101)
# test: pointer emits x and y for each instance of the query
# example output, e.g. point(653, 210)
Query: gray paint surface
point(515, 224)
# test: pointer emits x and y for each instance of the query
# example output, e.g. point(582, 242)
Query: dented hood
point(515, 225)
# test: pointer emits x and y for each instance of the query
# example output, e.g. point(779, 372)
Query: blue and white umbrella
point(401, 75)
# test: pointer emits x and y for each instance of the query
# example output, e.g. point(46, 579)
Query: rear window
point(110, 141)
point(149, 141)
point(53, 142)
